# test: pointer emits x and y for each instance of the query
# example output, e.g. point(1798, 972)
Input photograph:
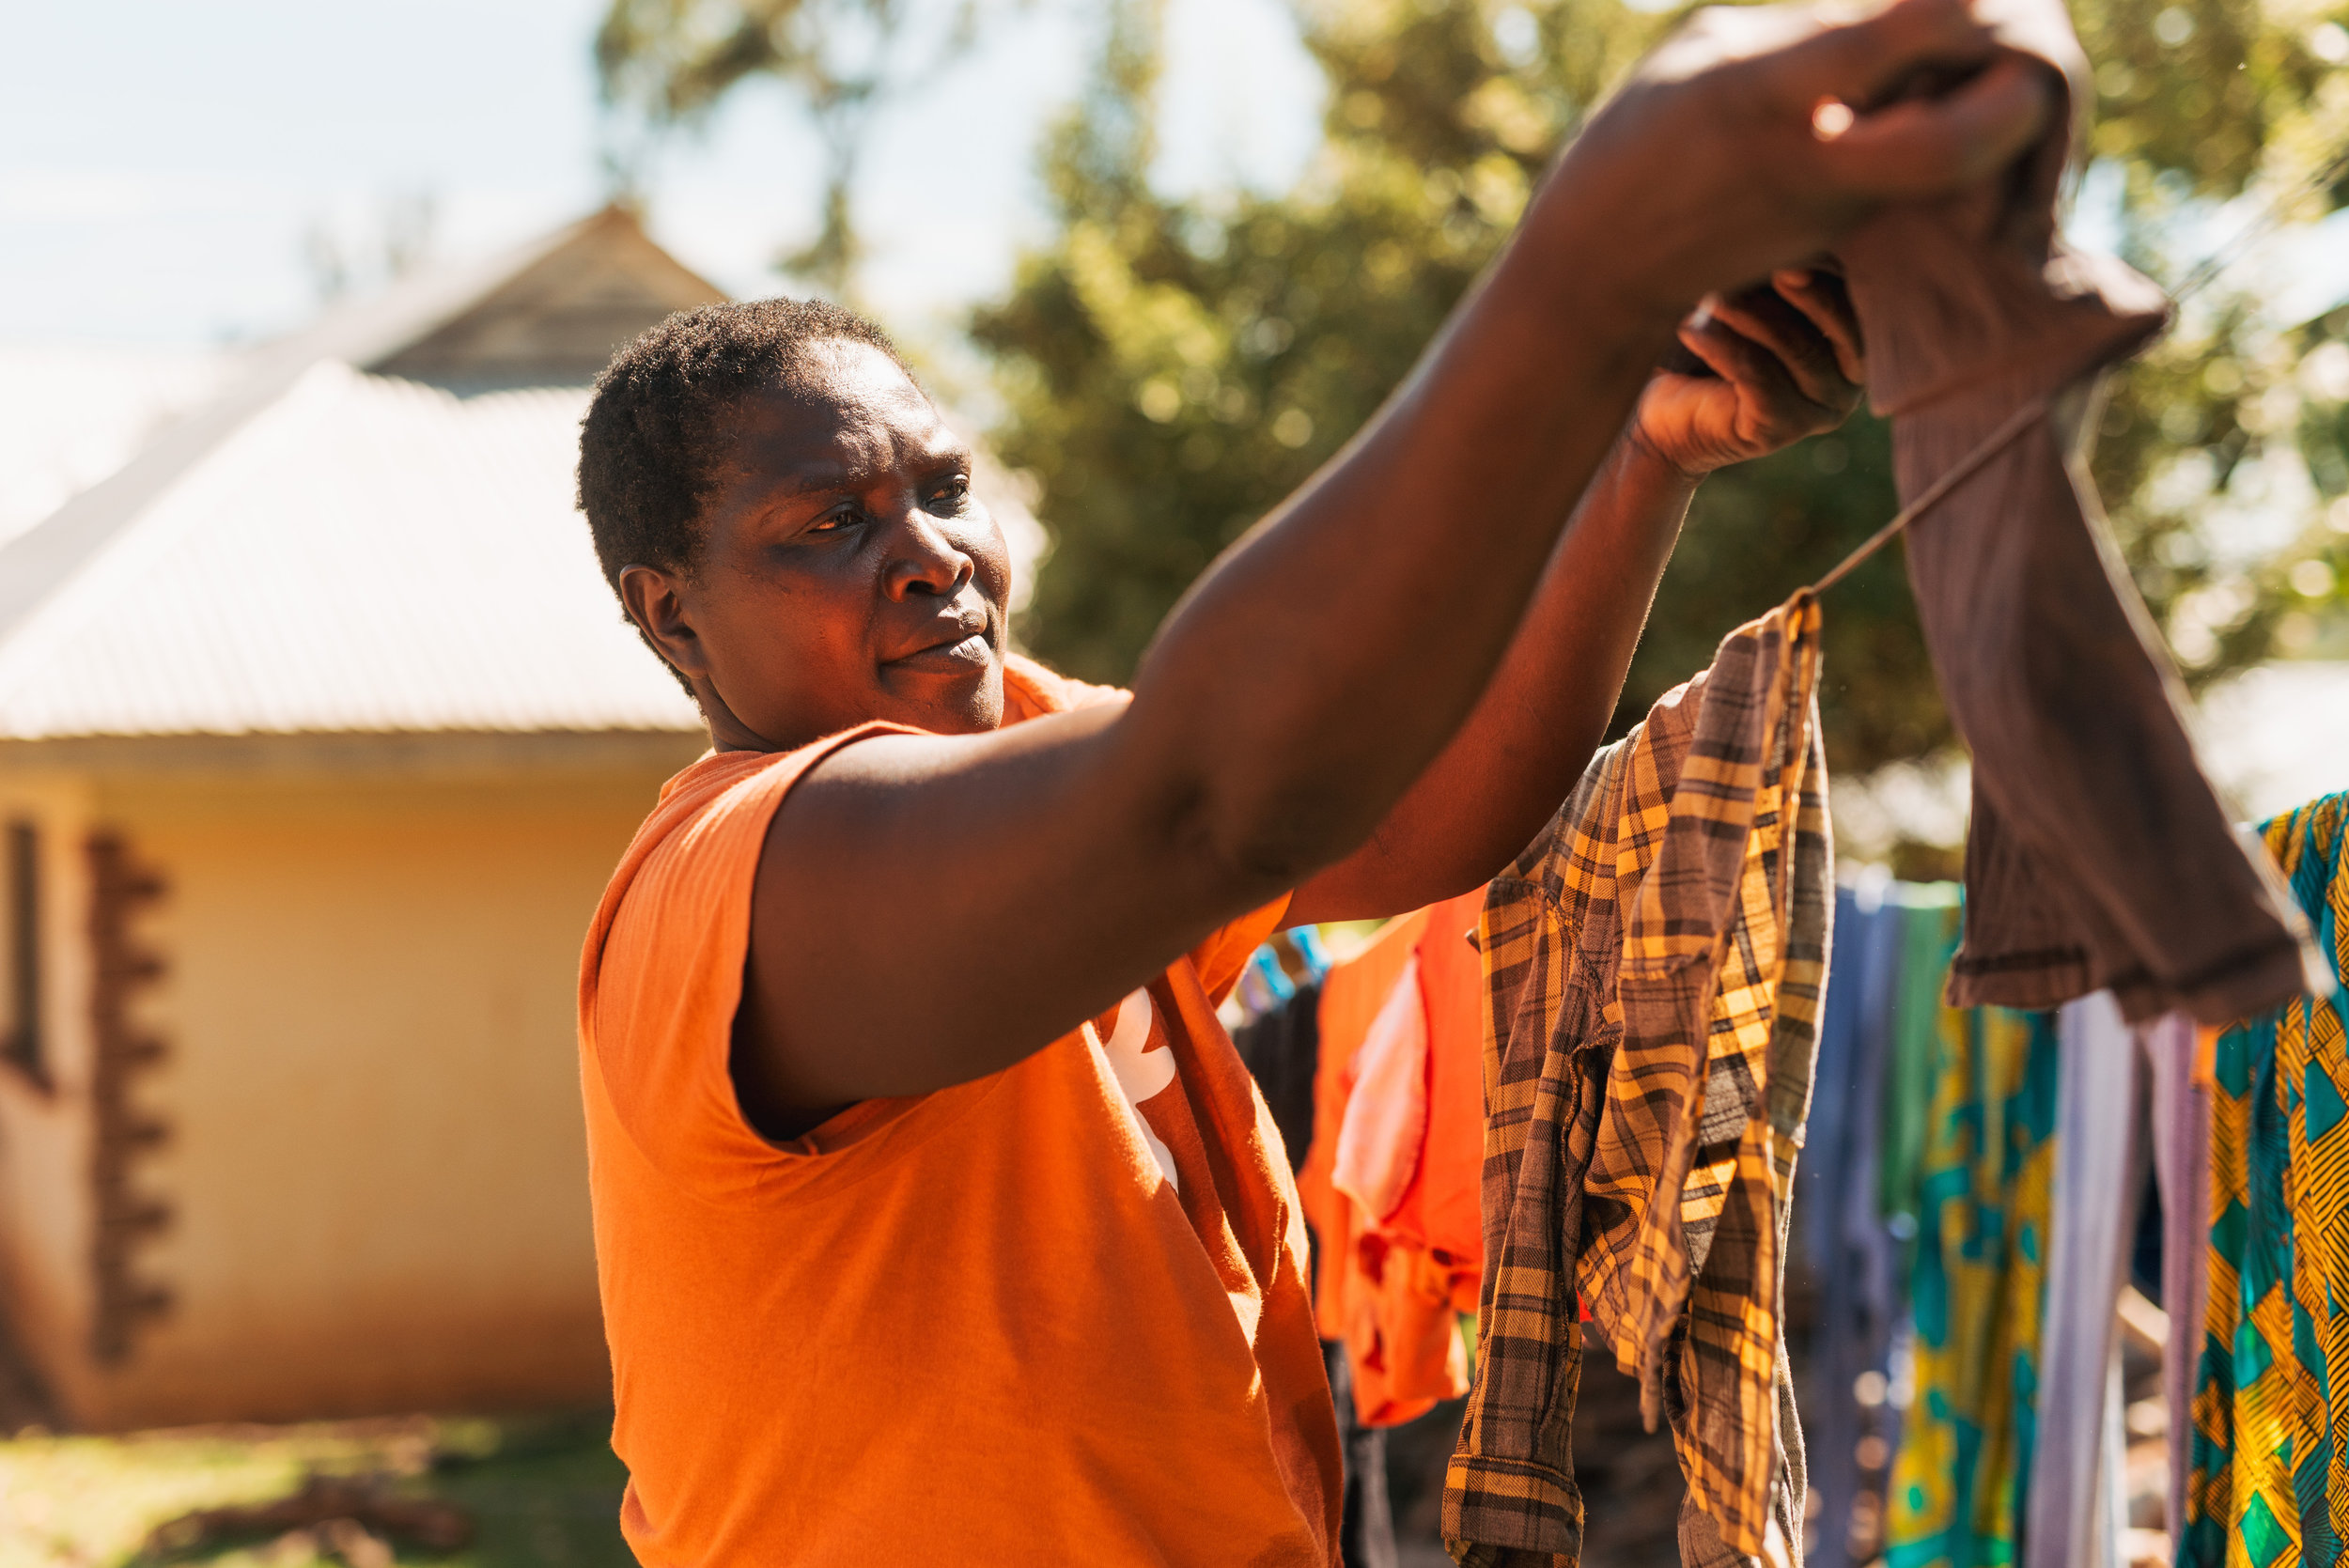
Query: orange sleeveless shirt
point(1057, 1315)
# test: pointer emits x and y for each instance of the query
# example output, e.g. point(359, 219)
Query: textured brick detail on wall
point(127, 1214)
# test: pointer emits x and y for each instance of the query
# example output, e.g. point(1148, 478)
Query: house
point(319, 733)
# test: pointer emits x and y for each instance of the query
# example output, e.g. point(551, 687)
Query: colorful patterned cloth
point(1655, 963)
point(1929, 932)
point(1986, 1177)
point(2269, 1484)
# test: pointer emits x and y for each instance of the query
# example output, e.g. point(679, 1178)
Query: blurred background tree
point(665, 64)
point(1171, 368)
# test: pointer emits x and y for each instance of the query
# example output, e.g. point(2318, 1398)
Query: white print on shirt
point(1141, 1073)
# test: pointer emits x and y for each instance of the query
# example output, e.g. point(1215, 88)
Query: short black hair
point(652, 432)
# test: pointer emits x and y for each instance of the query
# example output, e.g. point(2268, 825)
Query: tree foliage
point(670, 62)
point(1173, 367)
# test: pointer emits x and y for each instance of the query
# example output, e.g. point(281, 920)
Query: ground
point(537, 1491)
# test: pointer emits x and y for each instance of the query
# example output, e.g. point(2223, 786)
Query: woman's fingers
point(1925, 147)
point(1806, 353)
point(1860, 60)
point(1740, 360)
point(1757, 135)
point(1825, 301)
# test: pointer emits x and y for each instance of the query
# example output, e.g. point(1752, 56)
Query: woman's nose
point(927, 560)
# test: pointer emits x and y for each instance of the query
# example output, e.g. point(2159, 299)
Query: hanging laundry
point(1366, 1519)
point(2182, 1159)
point(1346, 1307)
point(1283, 1050)
point(2097, 854)
point(1307, 940)
point(1352, 995)
point(1386, 1116)
point(1438, 1220)
point(1654, 965)
point(1959, 1479)
point(1853, 1254)
point(2078, 1495)
point(1929, 932)
point(1861, 969)
point(1402, 1342)
point(1264, 985)
point(2269, 1480)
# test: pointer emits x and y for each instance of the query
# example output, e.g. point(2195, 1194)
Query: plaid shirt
point(1655, 963)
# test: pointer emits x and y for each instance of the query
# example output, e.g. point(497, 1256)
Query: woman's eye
point(831, 522)
point(953, 492)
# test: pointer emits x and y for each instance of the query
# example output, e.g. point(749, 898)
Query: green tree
point(1173, 367)
point(665, 64)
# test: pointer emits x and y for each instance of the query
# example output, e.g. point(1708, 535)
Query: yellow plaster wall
point(376, 1159)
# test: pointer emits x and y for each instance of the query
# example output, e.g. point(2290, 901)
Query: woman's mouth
point(968, 653)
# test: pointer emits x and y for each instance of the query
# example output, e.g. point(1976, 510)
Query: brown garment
point(2099, 855)
point(1654, 966)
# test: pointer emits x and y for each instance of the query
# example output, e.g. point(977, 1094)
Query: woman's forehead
point(859, 413)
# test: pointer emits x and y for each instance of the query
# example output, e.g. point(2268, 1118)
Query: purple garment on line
point(1857, 1258)
point(2077, 1506)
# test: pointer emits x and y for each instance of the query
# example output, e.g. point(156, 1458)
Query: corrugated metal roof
point(322, 549)
point(37, 563)
point(359, 553)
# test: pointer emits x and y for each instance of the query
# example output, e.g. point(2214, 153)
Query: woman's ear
point(655, 600)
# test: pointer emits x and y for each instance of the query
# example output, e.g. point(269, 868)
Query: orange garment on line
point(1443, 1212)
point(1386, 1114)
point(1351, 995)
point(1390, 1287)
point(1054, 1315)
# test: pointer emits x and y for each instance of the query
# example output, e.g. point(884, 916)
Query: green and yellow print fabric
point(2269, 1483)
point(1985, 1182)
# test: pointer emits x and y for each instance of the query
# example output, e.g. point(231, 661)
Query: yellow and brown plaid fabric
point(1655, 963)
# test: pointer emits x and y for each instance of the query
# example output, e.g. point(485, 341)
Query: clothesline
point(1969, 1208)
point(2225, 255)
point(2204, 274)
point(2016, 423)
point(1610, 1240)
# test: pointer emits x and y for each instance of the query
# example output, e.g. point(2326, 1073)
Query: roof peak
point(548, 312)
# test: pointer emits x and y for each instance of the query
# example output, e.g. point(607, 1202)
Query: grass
point(538, 1491)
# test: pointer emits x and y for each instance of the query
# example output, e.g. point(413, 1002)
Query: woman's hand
point(1758, 135)
point(1335, 672)
point(1787, 363)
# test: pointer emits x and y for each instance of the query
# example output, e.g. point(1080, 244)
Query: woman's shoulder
point(1030, 691)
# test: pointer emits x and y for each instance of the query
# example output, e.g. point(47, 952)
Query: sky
point(164, 168)
point(162, 164)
